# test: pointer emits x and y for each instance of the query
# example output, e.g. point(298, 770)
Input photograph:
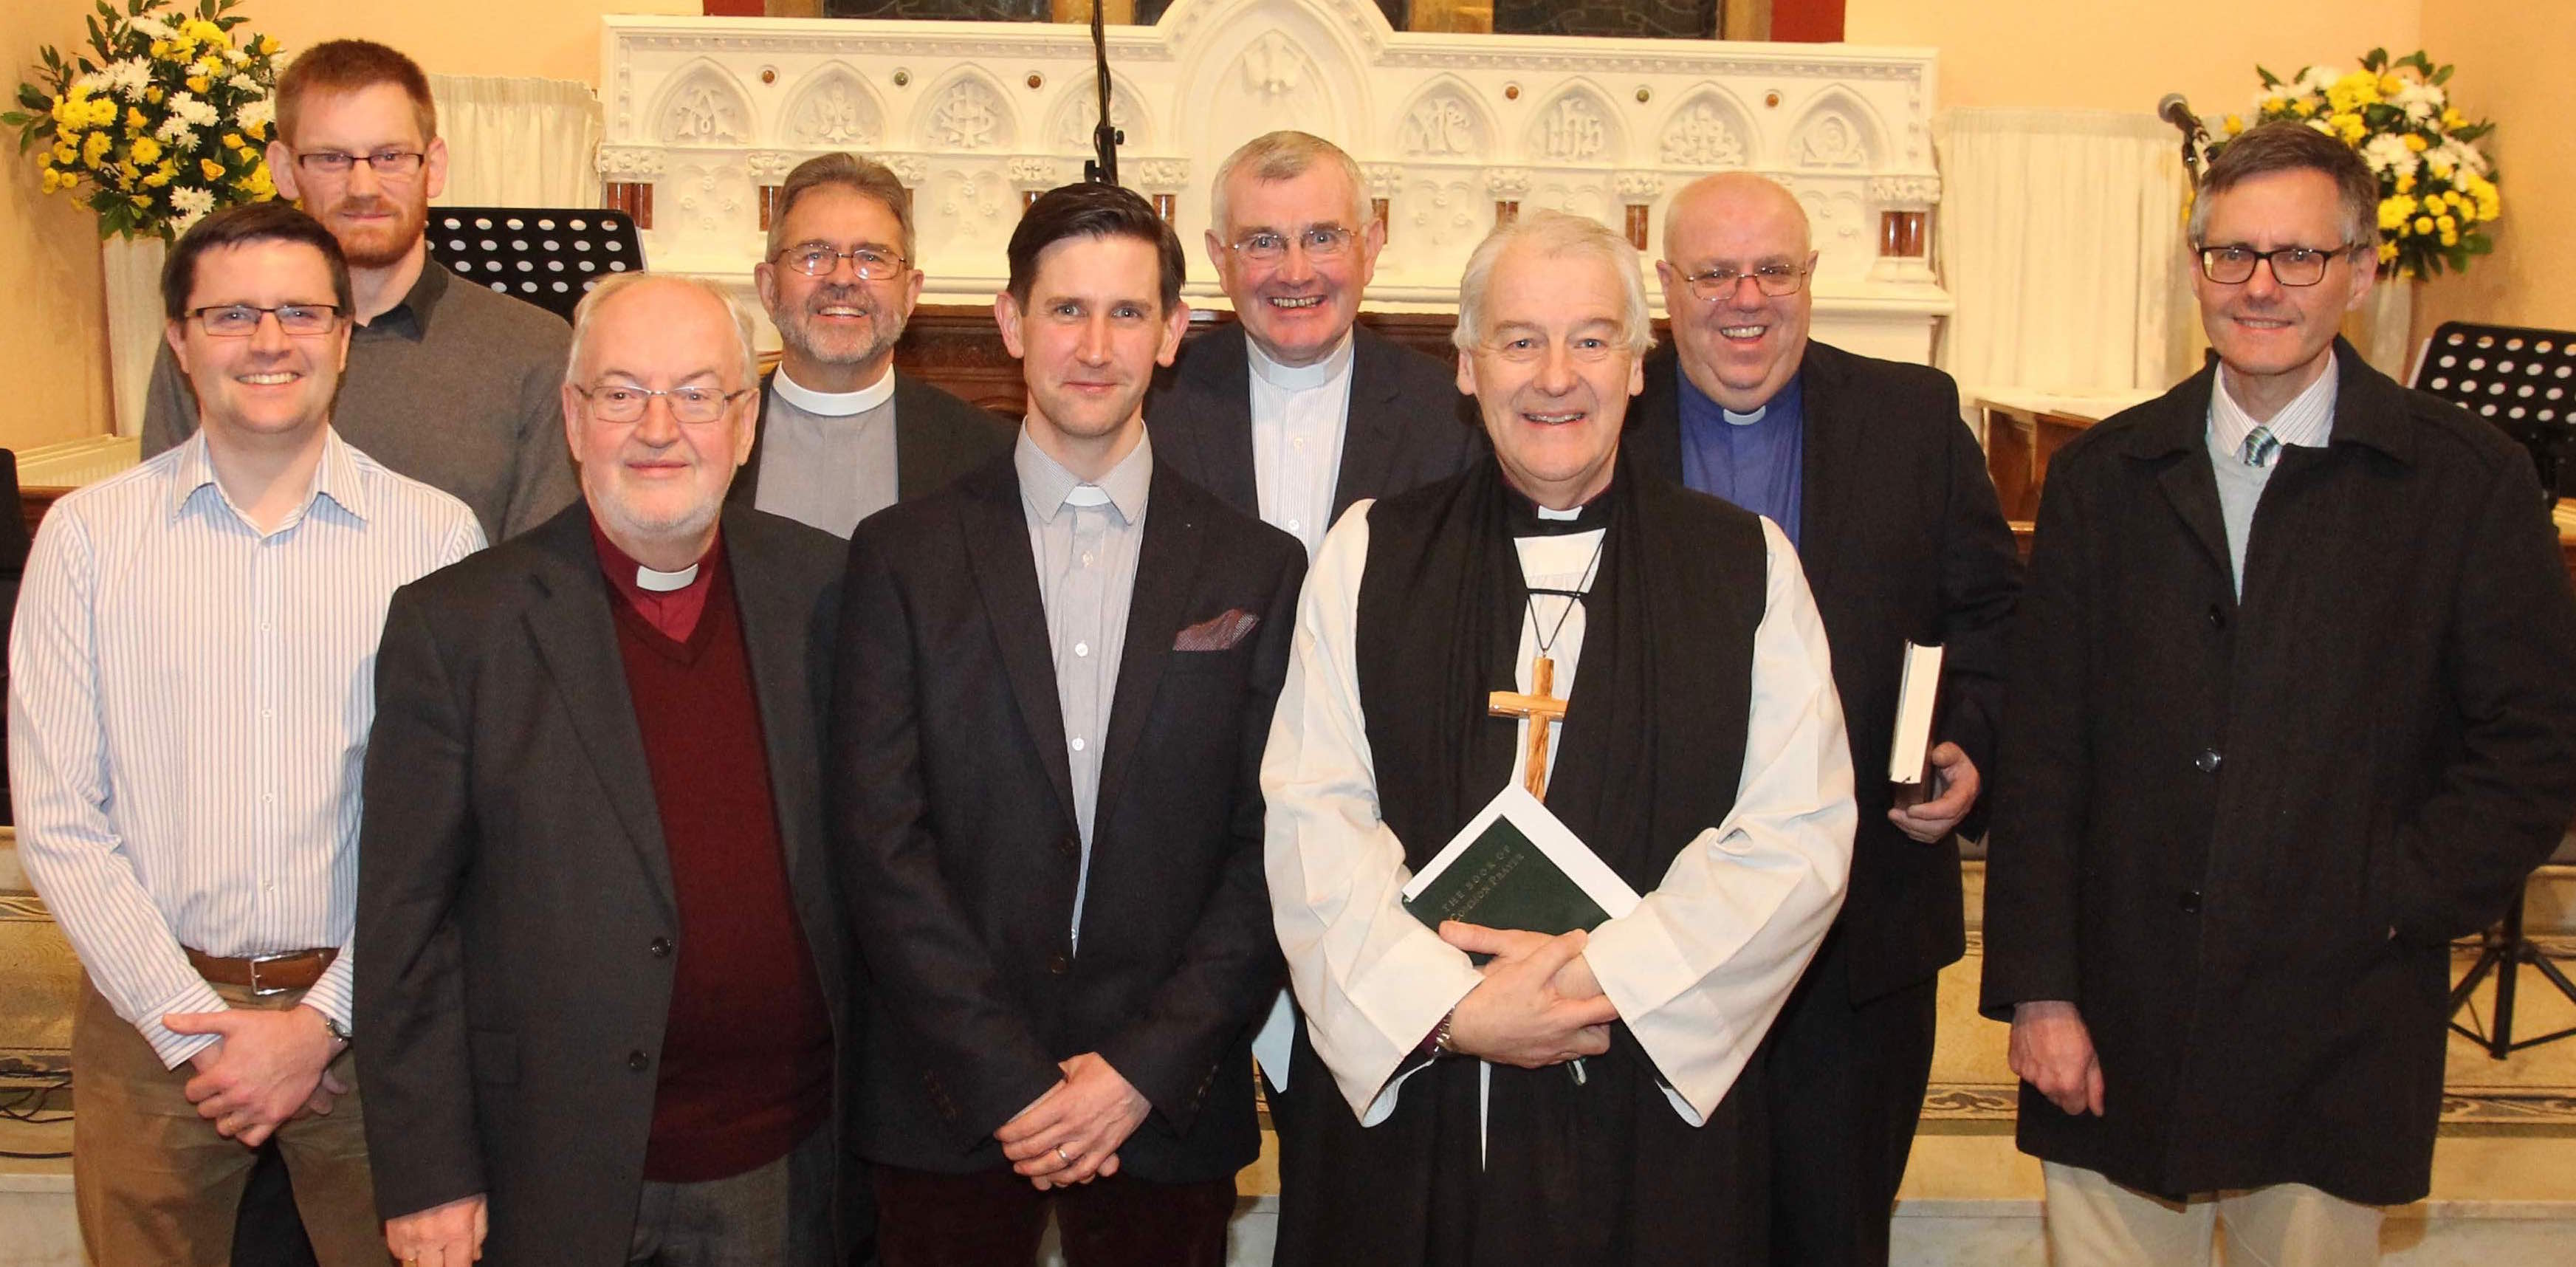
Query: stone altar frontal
point(706, 116)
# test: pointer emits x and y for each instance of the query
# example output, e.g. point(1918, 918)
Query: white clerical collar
point(1302, 378)
point(664, 582)
point(1570, 512)
point(834, 404)
point(1734, 419)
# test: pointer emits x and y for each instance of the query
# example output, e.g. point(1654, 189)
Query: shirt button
point(661, 947)
point(2217, 616)
point(1298, 443)
point(1070, 846)
point(1294, 525)
point(2207, 760)
point(1082, 648)
point(2189, 902)
point(1058, 964)
point(1077, 743)
point(637, 1061)
point(1086, 558)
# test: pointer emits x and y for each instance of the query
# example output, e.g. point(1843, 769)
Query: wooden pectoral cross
point(1542, 709)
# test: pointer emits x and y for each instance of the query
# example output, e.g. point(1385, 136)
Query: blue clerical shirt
point(1754, 461)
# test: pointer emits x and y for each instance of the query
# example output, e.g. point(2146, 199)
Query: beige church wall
point(553, 39)
point(50, 298)
point(2513, 57)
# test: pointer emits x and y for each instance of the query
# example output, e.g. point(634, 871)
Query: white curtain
point(2061, 240)
point(518, 142)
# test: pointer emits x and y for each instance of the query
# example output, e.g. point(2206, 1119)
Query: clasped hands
point(1539, 1003)
point(1071, 1134)
point(265, 1068)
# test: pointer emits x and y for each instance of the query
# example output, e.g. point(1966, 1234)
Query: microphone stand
point(1103, 167)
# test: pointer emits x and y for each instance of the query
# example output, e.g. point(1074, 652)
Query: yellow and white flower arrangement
point(165, 118)
point(2437, 190)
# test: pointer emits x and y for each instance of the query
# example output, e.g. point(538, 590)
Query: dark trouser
point(777, 1215)
point(268, 1232)
point(996, 1218)
point(1847, 1088)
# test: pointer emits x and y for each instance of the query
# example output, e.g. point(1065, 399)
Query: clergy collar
point(1527, 518)
point(1048, 488)
point(1788, 403)
point(626, 574)
point(1335, 365)
point(833, 404)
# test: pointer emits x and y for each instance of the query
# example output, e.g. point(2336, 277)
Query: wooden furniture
point(2025, 429)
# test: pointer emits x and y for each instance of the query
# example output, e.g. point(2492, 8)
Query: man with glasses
point(448, 382)
point(1293, 412)
point(841, 434)
point(615, 990)
point(189, 693)
point(2293, 704)
point(1867, 467)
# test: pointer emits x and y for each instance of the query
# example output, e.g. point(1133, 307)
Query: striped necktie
point(2260, 447)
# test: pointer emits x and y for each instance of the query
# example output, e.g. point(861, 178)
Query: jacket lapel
point(1830, 457)
point(1006, 575)
point(1223, 429)
point(2176, 433)
point(1167, 564)
point(916, 443)
point(746, 482)
point(1369, 424)
point(1653, 436)
point(577, 641)
point(777, 639)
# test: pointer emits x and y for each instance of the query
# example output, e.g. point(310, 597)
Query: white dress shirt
point(1699, 969)
point(188, 711)
point(1297, 426)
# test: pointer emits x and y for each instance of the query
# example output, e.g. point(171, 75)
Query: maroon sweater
point(747, 1054)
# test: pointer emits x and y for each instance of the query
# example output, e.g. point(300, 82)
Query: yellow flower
point(2406, 183)
point(161, 175)
point(154, 94)
point(2446, 223)
point(2304, 107)
point(2415, 141)
point(258, 129)
point(140, 200)
point(2387, 252)
point(2453, 119)
point(2275, 104)
point(102, 112)
point(135, 120)
point(2450, 239)
point(268, 45)
point(160, 49)
point(50, 181)
point(66, 152)
point(212, 169)
point(94, 150)
point(2235, 124)
point(2352, 128)
point(2423, 224)
point(2393, 211)
point(200, 85)
point(147, 150)
point(233, 141)
point(2391, 85)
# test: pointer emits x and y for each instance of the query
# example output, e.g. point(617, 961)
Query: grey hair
point(1285, 155)
point(2285, 146)
point(1555, 235)
point(871, 180)
point(600, 295)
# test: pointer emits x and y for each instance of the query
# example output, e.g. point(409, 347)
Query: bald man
point(1867, 468)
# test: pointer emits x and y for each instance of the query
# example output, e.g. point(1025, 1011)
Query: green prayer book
point(1515, 865)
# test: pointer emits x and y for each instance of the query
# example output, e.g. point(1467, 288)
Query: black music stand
point(2522, 380)
point(549, 256)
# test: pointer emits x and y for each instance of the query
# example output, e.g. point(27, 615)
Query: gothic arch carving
point(1837, 132)
point(967, 111)
point(834, 109)
point(1576, 126)
point(705, 105)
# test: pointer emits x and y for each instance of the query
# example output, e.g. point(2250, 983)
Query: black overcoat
point(2239, 835)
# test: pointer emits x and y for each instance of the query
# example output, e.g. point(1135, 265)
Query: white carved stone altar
point(705, 114)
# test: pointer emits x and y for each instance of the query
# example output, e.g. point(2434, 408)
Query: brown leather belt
point(264, 974)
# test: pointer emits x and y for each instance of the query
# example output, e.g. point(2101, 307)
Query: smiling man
point(1292, 413)
point(1702, 757)
point(188, 695)
point(2293, 705)
point(1867, 467)
point(841, 434)
point(1055, 676)
point(448, 382)
point(616, 985)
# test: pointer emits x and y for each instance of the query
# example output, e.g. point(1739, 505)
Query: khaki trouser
point(155, 1184)
point(2094, 1222)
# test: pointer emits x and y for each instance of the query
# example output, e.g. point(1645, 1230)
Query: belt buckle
point(260, 991)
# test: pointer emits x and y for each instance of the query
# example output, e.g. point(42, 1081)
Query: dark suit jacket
point(1902, 540)
point(937, 438)
point(955, 817)
point(2240, 836)
point(1408, 424)
point(510, 1004)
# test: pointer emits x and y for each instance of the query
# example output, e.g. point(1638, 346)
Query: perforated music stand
point(2522, 380)
point(549, 256)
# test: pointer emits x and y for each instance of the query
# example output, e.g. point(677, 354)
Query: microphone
point(2175, 110)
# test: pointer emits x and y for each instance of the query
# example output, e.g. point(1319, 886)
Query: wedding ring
point(1059, 1153)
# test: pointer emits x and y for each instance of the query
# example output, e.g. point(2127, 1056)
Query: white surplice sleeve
point(1706, 960)
point(1373, 980)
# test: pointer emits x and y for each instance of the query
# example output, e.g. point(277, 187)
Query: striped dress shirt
point(188, 709)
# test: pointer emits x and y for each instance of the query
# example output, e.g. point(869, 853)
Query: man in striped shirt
point(191, 690)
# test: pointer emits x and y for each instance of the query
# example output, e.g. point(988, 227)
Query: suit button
point(637, 1061)
point(2217, 617)
point(661, 948)
point(2207, 760)
point(2190, 902)
point(1070, 846)
point(1058, 964)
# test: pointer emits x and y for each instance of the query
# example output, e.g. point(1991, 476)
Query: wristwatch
point(336, 1029)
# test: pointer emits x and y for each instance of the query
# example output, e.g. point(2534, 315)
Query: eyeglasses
point(1528, 349)
point(621, 402)
point(1322, 242)
point(1774, 280)
point(240, 321)
point(386, 164)
point(871, 263)
point(2291, 265)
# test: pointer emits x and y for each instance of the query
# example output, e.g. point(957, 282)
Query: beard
point(805, 331)
point(379, 243)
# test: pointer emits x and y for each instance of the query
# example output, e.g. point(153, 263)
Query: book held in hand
point(1909, 757)
point(1515, 865)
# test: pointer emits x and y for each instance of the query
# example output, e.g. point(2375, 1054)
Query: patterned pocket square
point(1217, 633)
